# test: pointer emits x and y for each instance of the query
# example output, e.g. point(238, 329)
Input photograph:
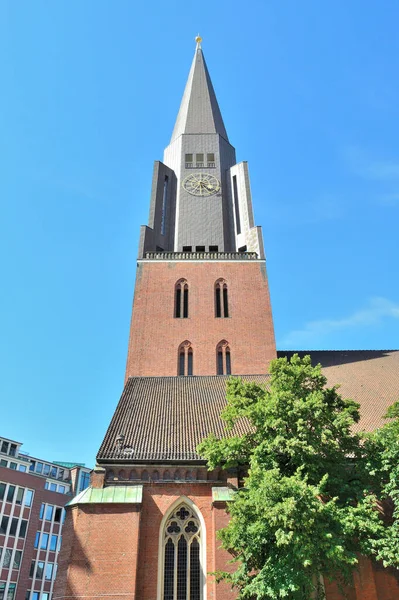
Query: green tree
point(306, 508)
point(383, 466)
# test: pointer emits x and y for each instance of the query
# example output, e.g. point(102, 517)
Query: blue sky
point(90, 90)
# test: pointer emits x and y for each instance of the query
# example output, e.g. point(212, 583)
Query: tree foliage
point(308, 505)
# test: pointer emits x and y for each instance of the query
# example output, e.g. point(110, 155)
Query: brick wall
point(111, 550)
point(156, 335)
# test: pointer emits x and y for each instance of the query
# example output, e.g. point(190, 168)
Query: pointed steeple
point(199, 110)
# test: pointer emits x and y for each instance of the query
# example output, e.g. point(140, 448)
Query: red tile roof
point(165, 418)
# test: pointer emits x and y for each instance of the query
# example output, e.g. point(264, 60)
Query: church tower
point(201, 303)
point(146, 527)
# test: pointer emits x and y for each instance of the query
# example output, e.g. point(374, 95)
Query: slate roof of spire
point(199, 110)
point(165, 418)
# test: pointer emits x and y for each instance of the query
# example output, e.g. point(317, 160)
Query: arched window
point(221, 299)
point(181, 299)
point(185, 359)
point(181, 555)
point(223, 358)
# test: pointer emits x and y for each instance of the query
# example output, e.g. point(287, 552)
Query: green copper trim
point(110, 495)
point(222, 494)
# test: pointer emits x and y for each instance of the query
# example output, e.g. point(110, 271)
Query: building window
point(181, 299)
point(10, 593)
point(210, 159)
point(2, 490)
point(23, 528)
point(199, 160)
point(223, 358)
point(10, 493)
point(28, 498)
point(221, 299)
point(53, 543)
point(236, 205)
point(181, 556)
point(164, 204)
point(185, 358)
point(13, 526)
point(84, 481)
point(213, 248)
point(189, 161)
point(4, 525)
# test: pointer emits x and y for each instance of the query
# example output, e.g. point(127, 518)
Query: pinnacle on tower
point(199, 110)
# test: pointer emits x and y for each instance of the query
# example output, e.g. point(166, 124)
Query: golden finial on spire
point(198, 39)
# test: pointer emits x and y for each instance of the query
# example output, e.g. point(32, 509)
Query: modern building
point(33, 494)
point(146, 527)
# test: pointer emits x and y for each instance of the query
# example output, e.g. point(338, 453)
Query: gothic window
point(181, 556)
point(223, 358)
point(185, 359)
point(221, 299)
point(181, 299)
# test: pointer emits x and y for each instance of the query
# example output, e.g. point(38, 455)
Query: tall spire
point(199, 110)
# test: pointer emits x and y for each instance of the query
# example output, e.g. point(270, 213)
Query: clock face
point(201, 184)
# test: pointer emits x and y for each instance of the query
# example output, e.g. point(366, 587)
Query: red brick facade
point(111, 551)
point(156, 334)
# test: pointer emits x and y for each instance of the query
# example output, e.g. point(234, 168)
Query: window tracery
point(181, 540)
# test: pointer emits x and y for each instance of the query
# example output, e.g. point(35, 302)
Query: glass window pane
point(49, 512)
point(40, 570)
point(11, 591)
point(53, 487)
point(28, 498)
point(37, 537)
point(13, 466)
point(44, 541)
point(61, 489)
point(32, 568)
point(39, 467)
point(7, 557)
point(53, 471)
point(46, 470)
point(13, 450)
point(32, 465)
point(22, 468)
point(22, 529)
point(13, 527)
point(41, 511)
point(10, 493)
point(3, 463)
point(49, 570)
point(3, 525)
point(2, 490)
point(4, 447)
point(20, 495)
point(53, 543)
point(17, 559)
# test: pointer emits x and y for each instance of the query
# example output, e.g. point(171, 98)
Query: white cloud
point(314, 331)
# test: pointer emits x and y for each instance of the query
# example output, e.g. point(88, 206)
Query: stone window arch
point(223, 358)
point(181, 299)
point(182, 557)
point(221, 299)
point(185, 359)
